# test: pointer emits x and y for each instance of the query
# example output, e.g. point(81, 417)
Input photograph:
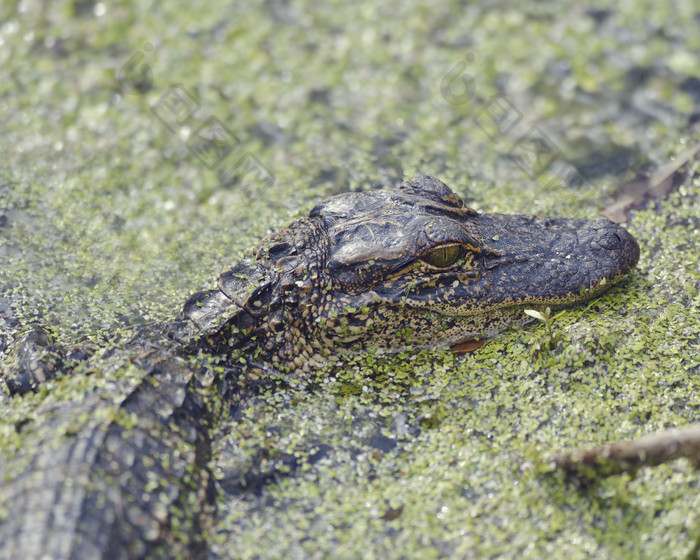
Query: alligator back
point(119, 467)
point(109, 471)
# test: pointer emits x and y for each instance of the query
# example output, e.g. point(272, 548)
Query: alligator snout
point(622, 247)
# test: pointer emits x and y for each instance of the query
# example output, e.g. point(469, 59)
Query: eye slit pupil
point(444, 256)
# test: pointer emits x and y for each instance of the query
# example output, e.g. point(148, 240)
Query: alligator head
point(413, 267)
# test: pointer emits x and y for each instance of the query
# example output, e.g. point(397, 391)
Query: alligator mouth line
point(377, 271)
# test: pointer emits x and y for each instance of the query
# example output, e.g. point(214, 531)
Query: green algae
point(110, 222)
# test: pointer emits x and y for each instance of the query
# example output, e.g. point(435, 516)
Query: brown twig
point(636, 194)
point(628, 456)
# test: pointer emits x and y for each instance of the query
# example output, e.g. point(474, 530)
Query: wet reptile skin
point(122, 468)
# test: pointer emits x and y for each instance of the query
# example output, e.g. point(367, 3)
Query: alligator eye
point(444, 256)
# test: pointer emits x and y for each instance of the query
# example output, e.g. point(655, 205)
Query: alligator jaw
point(604, 237)
point(387, 294)
point(556, 263)
point(539, 263)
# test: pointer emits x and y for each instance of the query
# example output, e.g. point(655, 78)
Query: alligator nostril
point(609, 240)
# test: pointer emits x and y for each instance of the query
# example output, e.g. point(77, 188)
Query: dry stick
point(638, 193)
point(624, 456)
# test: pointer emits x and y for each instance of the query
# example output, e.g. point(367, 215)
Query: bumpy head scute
point(409, 266)
point(377, 233)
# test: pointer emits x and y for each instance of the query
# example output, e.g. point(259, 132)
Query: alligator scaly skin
point(107, 472)
point(119, 465)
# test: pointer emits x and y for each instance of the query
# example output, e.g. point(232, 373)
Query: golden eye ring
point(442, 257)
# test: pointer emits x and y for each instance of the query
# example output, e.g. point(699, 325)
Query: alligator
point(107, 452)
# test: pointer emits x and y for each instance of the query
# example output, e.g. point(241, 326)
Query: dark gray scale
point(127, 460)
point(227, 316)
